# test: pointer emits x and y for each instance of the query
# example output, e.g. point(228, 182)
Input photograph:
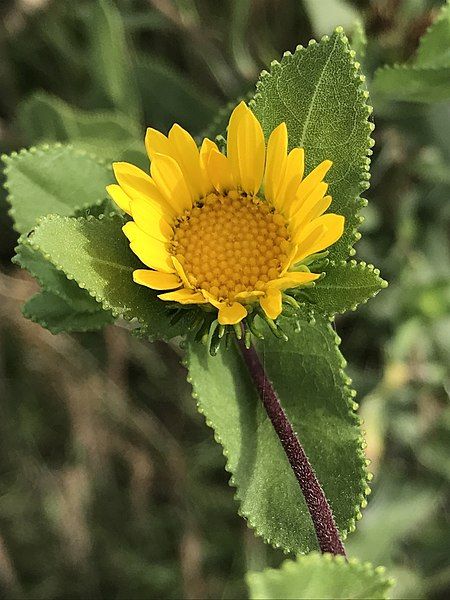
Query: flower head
point(230, 230)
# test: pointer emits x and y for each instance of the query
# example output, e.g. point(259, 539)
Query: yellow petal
point(171, 182)
point(120, 198)
point(156, 143)
point(181, 273)
point(314, 206)
point(156, 280)
point(292, 279)
point(319, 234)
point(249, 295)
point(230, 314)
point(271, 303)
point(149, 250)
point(186, 153)
point(219, 171)
point(206, 147)
point(275, 162)
point(308, 185)
point(246, 149)
point(184, 296)
point(150, 219)
point(295, 166)
point(138, 185)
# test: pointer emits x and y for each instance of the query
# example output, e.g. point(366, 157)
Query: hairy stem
point(319, 509)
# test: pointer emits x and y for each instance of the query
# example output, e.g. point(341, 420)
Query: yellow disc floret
point(231, 244)
point(227, 229)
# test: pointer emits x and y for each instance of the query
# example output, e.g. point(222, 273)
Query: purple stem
point(319, 509)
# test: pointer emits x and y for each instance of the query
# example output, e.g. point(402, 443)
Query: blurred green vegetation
point(111, 486)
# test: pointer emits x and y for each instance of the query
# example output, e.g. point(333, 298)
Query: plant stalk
point(319, 509)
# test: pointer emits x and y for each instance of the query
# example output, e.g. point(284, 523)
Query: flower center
point(229, 244)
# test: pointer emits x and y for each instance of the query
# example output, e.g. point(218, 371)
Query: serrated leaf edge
point(363, 96)
point(104, 303)
point(316, 558)
point(42, 149)
point(366, 476)
point(56, 330)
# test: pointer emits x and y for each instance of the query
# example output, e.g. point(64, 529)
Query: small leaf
point(426, 78)
point(319, 576)
point(434, 46)
point(54, 281)
point(52, 179)
point(307, 374)
point(95, 253)
point(319, 92)
point(111, 59)
point(344, 286)
point(57, 315)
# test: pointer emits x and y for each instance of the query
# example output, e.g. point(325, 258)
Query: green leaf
point(319, 92)
point(307, 374)
point(426, 78)
point(95, 253)
point(413, 84)
point(54, 281)
point(434, 46)
point(171, 97)
point(111, 59)
point(57, 315)
point(52, 179)
point(319, 576)
point(344, 286)
point(113, 136)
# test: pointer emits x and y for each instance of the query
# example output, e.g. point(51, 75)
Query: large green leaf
point(52, 179)
point(427, 77)
point(319, 576)
point(307, 374)
point(57, 315)
point(111, 135)
point(95, 253)
point(319, 92)
point(344, 286)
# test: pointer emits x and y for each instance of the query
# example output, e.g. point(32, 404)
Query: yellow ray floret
point(229, 230)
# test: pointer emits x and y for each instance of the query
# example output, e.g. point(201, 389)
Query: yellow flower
point(225, 230)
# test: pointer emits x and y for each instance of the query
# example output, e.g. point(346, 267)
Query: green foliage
point(52, 280)
point(95, 253)
point(57, 315)
point(307, 374)
point(319, 92)
point(113, 66)
point(52, 179)
point(344, 286)
point(111, 135)
point(171, 98)
point(319, 576)
point(426, 78)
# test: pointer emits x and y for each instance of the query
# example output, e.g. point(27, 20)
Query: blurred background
point(111, 485)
